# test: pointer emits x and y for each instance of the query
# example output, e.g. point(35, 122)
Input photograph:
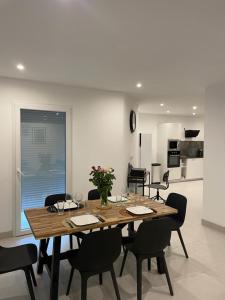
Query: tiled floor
point(201, 277)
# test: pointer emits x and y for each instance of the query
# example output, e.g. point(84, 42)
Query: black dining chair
point(20, 258)
point(151, 239)
point(51, 200)
point(179, 202)
point(96, 255)
point(92, 195)
point(95, 195)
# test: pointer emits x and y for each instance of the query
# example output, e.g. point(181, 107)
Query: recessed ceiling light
point(161, 104)
point(20, 67)
point(168, 111)
point(193, 113)
point(139, 85)
point(194, 107)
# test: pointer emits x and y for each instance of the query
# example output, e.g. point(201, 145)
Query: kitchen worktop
point(187, 157)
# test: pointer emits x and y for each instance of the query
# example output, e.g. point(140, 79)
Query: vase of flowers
point(102, 178)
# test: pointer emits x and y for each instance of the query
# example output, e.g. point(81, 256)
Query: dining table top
point(45, 224)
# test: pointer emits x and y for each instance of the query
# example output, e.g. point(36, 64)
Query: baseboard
point(7, 234)
point(213, 225)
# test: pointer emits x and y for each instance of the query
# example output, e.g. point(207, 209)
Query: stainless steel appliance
point(173, 159)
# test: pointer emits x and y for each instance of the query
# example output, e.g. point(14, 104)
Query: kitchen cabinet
point(168, 131)
point(194, 168)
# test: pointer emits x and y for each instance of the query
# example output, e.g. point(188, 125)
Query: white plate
point(114, 198)
point(84, 220)
point(139, 210)
point(66, 205)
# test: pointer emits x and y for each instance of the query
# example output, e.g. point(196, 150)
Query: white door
point(42, 157)
point(146, 151)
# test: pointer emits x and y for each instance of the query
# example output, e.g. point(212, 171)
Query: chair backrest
point(52, 199)
point(94, 194)
point(130, 167)
point(99, 250)
point(179, 202)
point(152, 236)
point(166, 178)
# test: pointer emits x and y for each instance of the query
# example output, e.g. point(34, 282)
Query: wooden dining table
point(45, 225)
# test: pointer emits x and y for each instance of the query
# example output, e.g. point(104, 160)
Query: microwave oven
point(173, 144)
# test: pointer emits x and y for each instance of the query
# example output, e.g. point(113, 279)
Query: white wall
point(148, 123)
point(214, 164)
point(100, 134)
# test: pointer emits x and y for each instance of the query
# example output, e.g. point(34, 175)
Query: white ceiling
point(174, 47)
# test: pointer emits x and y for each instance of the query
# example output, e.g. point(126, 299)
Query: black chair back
point(179, 202)
point(94, 194)
point(166, 178)
point(52, 199)
point(152, 236)
point(99, 250)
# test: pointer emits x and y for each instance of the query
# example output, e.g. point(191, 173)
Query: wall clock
point(132, 121)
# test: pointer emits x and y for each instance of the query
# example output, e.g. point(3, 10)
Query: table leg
point(130, 228)
point(55, 268)
point(42, 250)
point(143, 186)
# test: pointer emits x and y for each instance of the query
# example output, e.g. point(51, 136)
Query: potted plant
point(102, 178)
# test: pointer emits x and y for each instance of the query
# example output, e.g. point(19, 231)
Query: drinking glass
point(60, 207)
point(69, 201)
point(124, 195)
point(118, 200)
point(78, 198)
point(86, 207)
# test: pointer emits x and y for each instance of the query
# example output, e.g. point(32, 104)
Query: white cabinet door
point(194, 168)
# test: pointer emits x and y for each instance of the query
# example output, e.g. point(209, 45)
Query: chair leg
point(182, 242)
point(100, 279)
point(78, 242)
point(69, 283)
point(115, 283)
point(123, 263)
point(149, 264)
point(71, 242)
point(167, 276)
point(29, 283)
point(139, 279)
point(84, 287)
point(157, 195)
point(33, 276)
point(160, 265)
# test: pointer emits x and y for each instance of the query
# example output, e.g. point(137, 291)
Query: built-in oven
point(173, 159)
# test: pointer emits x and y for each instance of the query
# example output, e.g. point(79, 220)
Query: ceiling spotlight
point(20, 67)
point(162, 104)
point(139, 85)
point(193, 113)
point(194, 107)
point(168, 111)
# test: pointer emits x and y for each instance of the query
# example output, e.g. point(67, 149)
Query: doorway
point(41, 159)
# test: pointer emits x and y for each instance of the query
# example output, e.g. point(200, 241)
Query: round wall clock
point(132, 121)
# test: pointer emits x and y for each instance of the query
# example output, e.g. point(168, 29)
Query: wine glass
point(78, 198)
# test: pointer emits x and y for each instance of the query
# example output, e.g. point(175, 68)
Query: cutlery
point(100, 218)
point(69, 223)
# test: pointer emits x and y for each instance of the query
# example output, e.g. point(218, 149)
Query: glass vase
point(104, 198)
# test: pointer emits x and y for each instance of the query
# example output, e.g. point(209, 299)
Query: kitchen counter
point(187, 157)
